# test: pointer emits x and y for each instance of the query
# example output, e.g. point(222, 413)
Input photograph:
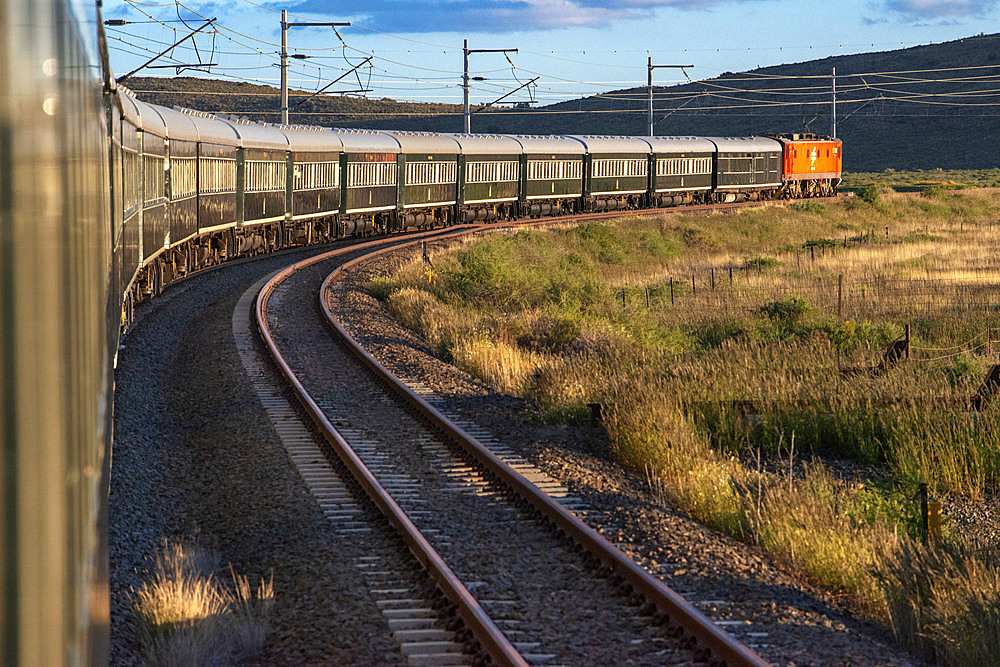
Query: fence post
point(694, 290)
point(647, 298)
point(840, 296)
point(623, 298)
point(713, 278)
point(907, 341)
point(730, 276)
point(812, 255)
point(924, 527)
point(989, 342)
point(671, 290)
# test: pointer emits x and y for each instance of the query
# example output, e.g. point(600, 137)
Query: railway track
point(530, 582)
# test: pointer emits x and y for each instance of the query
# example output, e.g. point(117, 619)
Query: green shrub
point(871, 194)
point(761, 263)
point(788, 310)
point(809, 206)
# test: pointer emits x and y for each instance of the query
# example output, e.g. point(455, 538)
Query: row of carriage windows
point(684, 166)
point(490, 172)
point(619, 168)
point(217, 175)
point(431, 173)
point(316, 175)
point(183, 177)
point(153, 181)
point(369, 174)
point(554, 170)
point(265, 175)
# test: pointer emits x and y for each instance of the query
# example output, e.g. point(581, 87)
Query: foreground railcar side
point(427, 179)
point(551, 174)
point(489, 177)
point(616, 172)
point(315, 183)
point(56, 343)
point(746, 168)
point(681, 170)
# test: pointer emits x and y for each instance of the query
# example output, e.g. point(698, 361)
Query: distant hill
point(878, 134)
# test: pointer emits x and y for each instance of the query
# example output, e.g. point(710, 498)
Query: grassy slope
point(540, 314)
point(878, 137)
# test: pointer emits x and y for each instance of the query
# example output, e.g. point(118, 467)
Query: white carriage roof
point(150, 121)
point(541, 143)
point(365, 141)
point(681, 144)
point(486, 144)
point(736, 144)
point(312, 138)
point(210, 128)
point(424, 142)
point(130, 106)
point(179, 126)
point(612, 144)
point(253, 134)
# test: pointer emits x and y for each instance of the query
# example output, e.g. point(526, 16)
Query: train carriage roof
point(180, 127)
point(745, 144)
point(612, 144)
point(365, 141)
point(543, 143)
point(257, 135)
point(311, 138)
point(211, 129)
point(151, 121)
point(130, 106)
point(424, 142)
point(681, 144)
point(486, 144)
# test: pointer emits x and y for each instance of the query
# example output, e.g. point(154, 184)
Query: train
point(196, 188)
point(105, 200)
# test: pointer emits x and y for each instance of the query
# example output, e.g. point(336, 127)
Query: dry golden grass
point(814, 288)
point(188, 617)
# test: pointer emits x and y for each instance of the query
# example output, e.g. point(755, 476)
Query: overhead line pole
point(649, 105)
point(833, 105)
point(465, 80)
point(285, 25)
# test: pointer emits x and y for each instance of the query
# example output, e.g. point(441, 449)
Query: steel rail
point(489, 636)
point(718, 641)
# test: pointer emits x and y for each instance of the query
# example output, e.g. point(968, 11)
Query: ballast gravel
point(195, 457)
point(787, 621)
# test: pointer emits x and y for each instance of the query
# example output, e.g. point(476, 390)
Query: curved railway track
point(539, 584)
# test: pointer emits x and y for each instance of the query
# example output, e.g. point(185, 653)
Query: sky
point(571, 48)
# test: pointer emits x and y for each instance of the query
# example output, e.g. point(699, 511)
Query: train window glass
point(490, 172)
point(316, 175)
point(183, 177)
point(370, 174)
point(154, 185)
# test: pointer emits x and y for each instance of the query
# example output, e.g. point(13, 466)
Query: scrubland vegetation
point(738, 357)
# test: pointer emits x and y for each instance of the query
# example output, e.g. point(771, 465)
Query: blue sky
point(574, 47)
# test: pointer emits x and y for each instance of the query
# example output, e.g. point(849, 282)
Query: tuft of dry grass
point(943, 600)
point(188, 617)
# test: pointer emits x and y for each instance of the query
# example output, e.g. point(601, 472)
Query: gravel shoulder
point(195, 457)
point(785, 619)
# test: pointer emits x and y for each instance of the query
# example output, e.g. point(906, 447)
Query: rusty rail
point(476, 619)
point(720, 643)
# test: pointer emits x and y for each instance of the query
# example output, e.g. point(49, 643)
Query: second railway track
point(556, 589)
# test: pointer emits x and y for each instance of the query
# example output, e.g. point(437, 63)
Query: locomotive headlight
point(49, 106)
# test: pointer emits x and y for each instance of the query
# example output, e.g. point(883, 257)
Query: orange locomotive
point(811, 165)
